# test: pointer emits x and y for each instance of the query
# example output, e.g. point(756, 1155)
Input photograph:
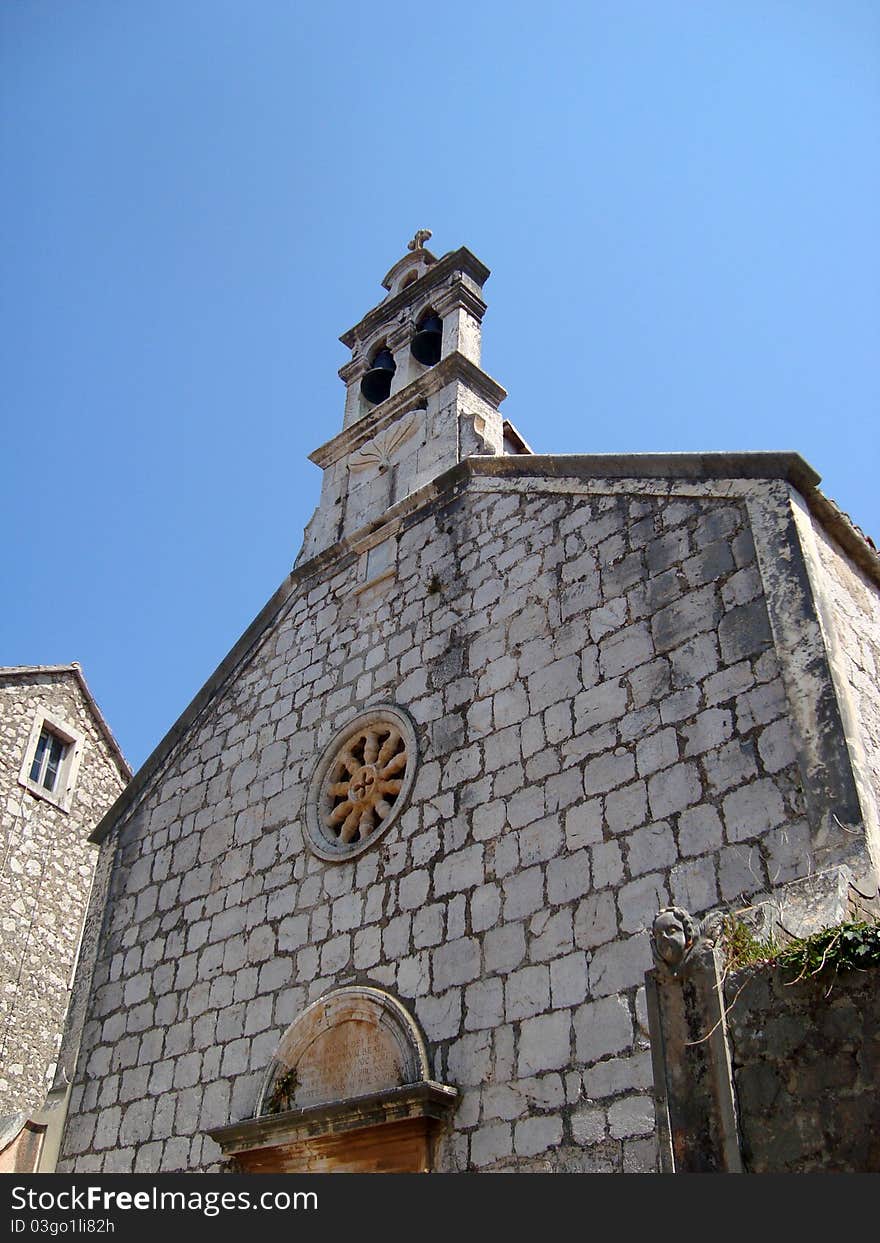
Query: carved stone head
point(673, 935)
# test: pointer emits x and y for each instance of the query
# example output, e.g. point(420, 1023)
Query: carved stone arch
point(348, 1089)
point(351, 1042)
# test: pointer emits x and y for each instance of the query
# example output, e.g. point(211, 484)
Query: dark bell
point(426, 342)
point(376, 384)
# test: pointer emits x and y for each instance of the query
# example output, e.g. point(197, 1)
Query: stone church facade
point(379, 900)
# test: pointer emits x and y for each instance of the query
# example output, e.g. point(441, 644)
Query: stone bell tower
point(416, 402)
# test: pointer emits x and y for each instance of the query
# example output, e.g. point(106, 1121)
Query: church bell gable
point(416, 398)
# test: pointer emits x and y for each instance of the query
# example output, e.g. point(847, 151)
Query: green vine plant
point(853, 946)
point(281, 1098)
point(848, 947)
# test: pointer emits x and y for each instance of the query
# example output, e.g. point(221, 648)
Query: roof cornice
point(454, 366)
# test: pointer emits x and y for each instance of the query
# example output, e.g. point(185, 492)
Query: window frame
point(61, 795)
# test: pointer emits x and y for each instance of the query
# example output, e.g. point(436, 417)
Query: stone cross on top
point(418, 242)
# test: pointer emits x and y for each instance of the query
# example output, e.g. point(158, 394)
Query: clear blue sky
point(679, 203)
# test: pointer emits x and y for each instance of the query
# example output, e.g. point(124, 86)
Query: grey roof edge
point(513, 433)
point(10, 1127)
point(787, 466)
point(851, 537)
point(75, 668)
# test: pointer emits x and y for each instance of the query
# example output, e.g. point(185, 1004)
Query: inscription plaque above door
point(348, 1090)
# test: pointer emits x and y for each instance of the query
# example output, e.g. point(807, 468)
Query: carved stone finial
point(677, 938)
point(418, 242)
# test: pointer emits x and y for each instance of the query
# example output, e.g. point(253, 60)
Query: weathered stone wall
point(855, 608)
point(806, 1058)
point(44, 882)
point(603, 729)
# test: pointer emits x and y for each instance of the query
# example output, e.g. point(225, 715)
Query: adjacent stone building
point(379, 899)
point(60, 770)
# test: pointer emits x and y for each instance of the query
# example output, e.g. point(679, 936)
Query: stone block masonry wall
point(805, 1063)
point(603, 729)
point(47, 866)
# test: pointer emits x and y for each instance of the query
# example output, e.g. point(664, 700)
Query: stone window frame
point(68, 770)
point(377, 557)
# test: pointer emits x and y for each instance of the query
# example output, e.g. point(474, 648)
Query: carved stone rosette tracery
point(361, 783)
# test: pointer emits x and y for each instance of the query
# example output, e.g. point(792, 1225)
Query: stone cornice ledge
point(453, 367)
point(679, 466)
point(461, 260)
point(414, 1100)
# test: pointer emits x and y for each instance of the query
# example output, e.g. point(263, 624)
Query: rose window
point(364, 782)
point(361, 783)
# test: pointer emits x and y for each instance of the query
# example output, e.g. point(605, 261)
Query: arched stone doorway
point(348, 1091)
